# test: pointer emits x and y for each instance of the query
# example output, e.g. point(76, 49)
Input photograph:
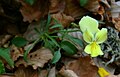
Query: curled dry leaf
point(73, 9)
point(116, 21)
point(92, 5)
point(31, 31)
point(67, 73)
point(5, 75)
point(56, 6)
point(63, 19)
point(34, 12)
point(43, 73)
point(106, 3)
point(37, 59)
point(26, 72)
point(16, 52)
point(52, 72)
point(115, 8)
point(83, 67)
point(4, 39)
point(113, 75)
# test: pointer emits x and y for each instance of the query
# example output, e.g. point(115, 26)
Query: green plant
point(31, 2)
point(2, 69)
point(48, 35)
point(5, 54)
point(83, 2)
point(19, 41)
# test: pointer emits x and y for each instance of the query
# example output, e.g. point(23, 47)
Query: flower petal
point(88, 23)
point(88, 36)
point(102, 72)
point(93, 49)
point(101, 36)
point(88, 49)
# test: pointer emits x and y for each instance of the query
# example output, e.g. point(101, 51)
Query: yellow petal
point(88, 36)
point(88, 23)
point(88, 49)
point(101, 36)
point(102, 72)
point(93, 49)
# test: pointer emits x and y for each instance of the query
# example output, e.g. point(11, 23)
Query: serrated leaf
point(5, 54)
point(19, 41)
point(57, 56)
point(68, 47)
point(31, 2)
point(2, 68)
point(83, 2)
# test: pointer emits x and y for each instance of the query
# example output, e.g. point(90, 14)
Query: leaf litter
point(19, 18)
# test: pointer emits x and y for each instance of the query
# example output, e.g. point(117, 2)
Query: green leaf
point(57, 56)
point(31, 2)
point(56, 26)
point(48, 21)
point(52, 39)
point(75, 40)
point(19, 41)
point(2, 69)
point(83, 2)
point(68, 47)
point(5, 54)
point(29, 49)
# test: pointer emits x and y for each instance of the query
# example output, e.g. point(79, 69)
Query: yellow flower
point(102, 72)
point(92, 35)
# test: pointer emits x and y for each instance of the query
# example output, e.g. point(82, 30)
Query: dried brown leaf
point(115, 8)
point(34, 12)
point(37, 59)
point(56, 6)
point(92, 5)
point(67, 73)
point(73, 9)
point(26, 72)
point(83, 67)
point(113, 75)
point(52, 72)
point(16, 52)
point(5, 75)
point(63, 19)
point(116, 21)
point(31, 31)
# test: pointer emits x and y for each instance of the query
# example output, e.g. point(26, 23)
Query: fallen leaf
point(116, 21)
point(34, 12)
point(16, 52)
point(67, 73)
point(73, 9)
point(31, 31)
point(5, 75)
point(56, 6)
point(83, 67)
point(4, 39)
point(52, 72)
point(63, 19)
point(92, 5)
point(37, 58)
point(26, 72)
point(43, 73)
point(115, 11)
